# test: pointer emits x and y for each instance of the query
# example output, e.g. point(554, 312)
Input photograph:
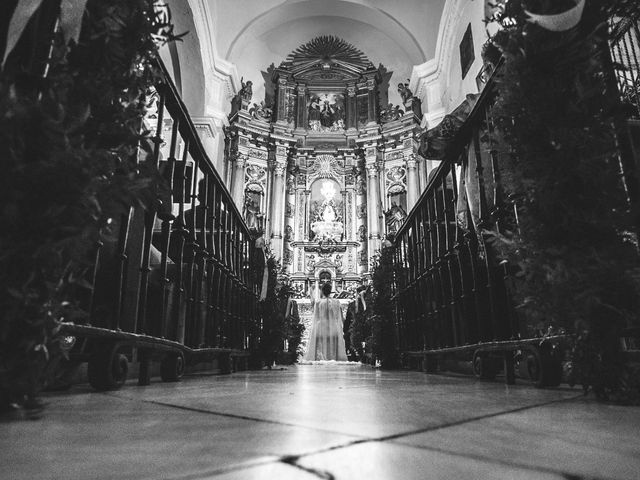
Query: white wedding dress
point(326, 341)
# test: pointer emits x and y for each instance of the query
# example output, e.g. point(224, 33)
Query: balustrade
point(179, 277)
point(451, 292)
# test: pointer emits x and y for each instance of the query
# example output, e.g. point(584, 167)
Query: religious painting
point(467, 55)
point(326, 112)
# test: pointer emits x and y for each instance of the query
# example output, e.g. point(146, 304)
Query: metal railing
point(182, 271)
point(449, 290)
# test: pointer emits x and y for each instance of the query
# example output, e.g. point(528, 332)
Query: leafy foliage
point(376, 325)
point(278, 324)
point(576, 246)
point(69, 147)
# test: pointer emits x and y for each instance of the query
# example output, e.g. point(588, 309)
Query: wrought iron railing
point(449, 290)
point(180, 278)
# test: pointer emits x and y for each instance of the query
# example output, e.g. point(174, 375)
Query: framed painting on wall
point(467, 55)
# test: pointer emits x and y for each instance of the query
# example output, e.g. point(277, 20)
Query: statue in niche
point(327, 224)
point(394, 217)
point(246, 92)
point(252, 213)
point(329, 213)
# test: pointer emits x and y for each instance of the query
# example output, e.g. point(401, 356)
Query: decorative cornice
point(210, 125)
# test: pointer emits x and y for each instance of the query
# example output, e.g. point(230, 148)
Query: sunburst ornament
point(327, 51)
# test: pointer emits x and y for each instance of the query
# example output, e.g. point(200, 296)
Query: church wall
point(455, 88)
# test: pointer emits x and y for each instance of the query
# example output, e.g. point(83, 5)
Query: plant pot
point(559, 22)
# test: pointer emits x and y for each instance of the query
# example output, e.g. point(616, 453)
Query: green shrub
point(69, 147)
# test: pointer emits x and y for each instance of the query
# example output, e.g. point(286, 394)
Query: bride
point(326, 341)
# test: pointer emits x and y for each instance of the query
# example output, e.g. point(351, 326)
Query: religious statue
point(246, 92)
point(405, 92)
point(252, 214)
point(394, 217)
point(327, 224)
point(329, 214)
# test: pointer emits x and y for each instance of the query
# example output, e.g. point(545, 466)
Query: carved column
point(301, 107)
point(412, 182)
point(422, 176)
point(282, 101)
point(373, 203)
point(352, 108)
point(238, 181)
point(372, 113)
point(307, 213)
point(278, 200)
point(300, 205)
point(289, 223)
point(361, 220)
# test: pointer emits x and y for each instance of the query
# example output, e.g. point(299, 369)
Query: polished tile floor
point(324, 422)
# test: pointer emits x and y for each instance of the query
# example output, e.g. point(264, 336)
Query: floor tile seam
point(490, 460)
point(390, 438)
point(321, 474)
point(477, 418)
point(239, 417)
point(228, 469)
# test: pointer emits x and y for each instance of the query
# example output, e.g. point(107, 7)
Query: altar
point(317, 165)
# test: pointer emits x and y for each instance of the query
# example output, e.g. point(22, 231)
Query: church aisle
point(323, 421)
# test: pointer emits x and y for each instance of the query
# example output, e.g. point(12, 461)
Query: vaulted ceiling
point(252, 34)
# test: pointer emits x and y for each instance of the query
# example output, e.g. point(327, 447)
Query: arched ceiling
point(252, 34)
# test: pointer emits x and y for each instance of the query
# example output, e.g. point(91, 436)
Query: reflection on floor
point(324, 422)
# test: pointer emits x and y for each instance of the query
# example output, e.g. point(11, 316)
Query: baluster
point(179, 233)
point(484, 222)
point(203, 281)
point(458, 240)
point(121, 259)
point(448, 290)
point(149, 222)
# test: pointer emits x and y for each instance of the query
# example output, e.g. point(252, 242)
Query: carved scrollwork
point(391, 113)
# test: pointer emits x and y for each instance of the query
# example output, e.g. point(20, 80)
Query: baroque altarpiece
point(324, 167)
